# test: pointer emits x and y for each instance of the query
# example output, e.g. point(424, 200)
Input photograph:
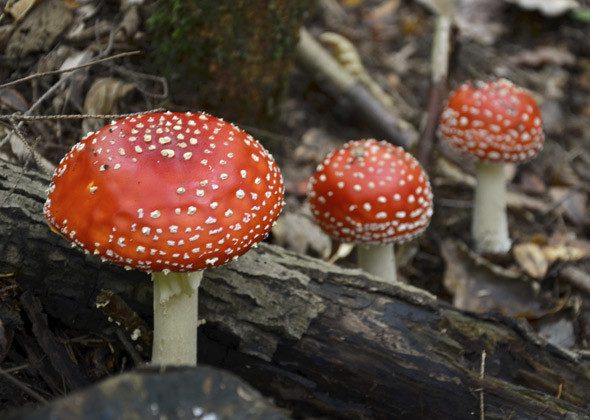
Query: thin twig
point(137, 359)
point(50, 92)
point(18, 117)
point(39, 160)
point(17, 368)
point(22, 386)
point(61, 71)
point(441, 50)
point(482, 373)
point(138, 75)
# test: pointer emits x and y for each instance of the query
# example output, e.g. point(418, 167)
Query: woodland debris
point(39, 29)
point(56, 353)
point(322, 66)
point(551, 8)
point(308, 321)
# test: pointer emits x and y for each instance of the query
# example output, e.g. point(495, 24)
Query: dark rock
point(178, 393)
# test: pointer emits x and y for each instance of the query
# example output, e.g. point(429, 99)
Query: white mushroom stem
point(489, 223)
point(175, 318)
point(378, 260)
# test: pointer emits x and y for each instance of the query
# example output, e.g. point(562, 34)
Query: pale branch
point(442, 47)
point(313, 57)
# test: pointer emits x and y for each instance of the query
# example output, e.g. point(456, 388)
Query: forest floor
point(546, 277)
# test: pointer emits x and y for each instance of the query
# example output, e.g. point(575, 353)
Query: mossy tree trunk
point(229, 57)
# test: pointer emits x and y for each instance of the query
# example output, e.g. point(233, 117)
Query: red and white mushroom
point(495, 123)
point(170, 194)
point(374, 194)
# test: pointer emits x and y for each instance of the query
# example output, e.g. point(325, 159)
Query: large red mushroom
point(373, 194)
point(496, 123)
point(170, 194)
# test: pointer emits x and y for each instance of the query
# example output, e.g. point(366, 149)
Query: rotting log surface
point(321, 340)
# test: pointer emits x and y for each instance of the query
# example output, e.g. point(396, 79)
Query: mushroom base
point(378, 260)
point(489, 226)
point(175, 318)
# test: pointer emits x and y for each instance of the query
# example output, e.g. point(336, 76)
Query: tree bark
point(321, 340)
point(230, 57)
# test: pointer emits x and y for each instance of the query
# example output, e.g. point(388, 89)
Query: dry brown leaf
point(558, 331)
point(480, 286)
point(130, 23)
point(13, 100)
point(532, 183)
point(384, 11)
point(566, 253)
point(103, 98)
point(531, 258)
point(535, 257)
point(76, 59)
point(316, 143)
point(549, 8)
point(343, 251)
point(447, 172)
point(572, 202)
point(18, 9)
point(546, 54)
point(296, 230)
point(39, 29)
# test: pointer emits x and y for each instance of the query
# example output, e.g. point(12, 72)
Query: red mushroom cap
point(493, 122)
point(166, 191)
point(371, 192)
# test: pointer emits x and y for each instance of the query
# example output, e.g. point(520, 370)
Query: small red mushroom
point(169, 194)
point(496, 123)
point(374, 194)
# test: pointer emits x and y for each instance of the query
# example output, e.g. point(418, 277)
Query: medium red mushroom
point(374, 194)
point(170, 194)
point(496, 123)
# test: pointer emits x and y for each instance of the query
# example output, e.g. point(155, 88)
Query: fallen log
point(321, 340)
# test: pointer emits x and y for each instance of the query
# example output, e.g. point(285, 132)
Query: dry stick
point(39, 160)
point(61, 71)
point(322, 66)
point(138, 75)
point(482, 372)
point(18, 117)
point(441, 50)
point(22, 386)
point(135, 356)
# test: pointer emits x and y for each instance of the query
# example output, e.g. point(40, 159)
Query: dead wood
point(320, 339)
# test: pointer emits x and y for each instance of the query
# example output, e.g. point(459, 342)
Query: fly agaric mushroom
point(170, 194)
point(496, 123)
point(374, 194)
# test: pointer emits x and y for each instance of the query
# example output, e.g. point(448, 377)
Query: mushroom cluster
point(170, 194)
point(496, 123)
point(374, 194)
